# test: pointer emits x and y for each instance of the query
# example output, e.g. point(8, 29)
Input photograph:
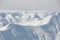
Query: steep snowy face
point(43, 25)
point(35, 18)
point(25, 18)
point(28, 18)
point(3, 22)
point(36, 22)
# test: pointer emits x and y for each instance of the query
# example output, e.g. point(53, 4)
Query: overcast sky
point(53, 5)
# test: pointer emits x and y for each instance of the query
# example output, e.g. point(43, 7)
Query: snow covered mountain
point(34, 25)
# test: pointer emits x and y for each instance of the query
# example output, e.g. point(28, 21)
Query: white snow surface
point(24, 17)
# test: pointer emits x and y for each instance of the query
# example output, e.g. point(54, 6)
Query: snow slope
point(26, 25)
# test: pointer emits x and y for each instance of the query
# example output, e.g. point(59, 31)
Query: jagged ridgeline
point(29, 25)
point(24, 17)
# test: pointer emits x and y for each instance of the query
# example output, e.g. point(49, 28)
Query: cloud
point(52, 5)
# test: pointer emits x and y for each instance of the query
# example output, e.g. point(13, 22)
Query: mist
point(51, 5)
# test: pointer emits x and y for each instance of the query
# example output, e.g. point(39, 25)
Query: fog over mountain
point(51, 5)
